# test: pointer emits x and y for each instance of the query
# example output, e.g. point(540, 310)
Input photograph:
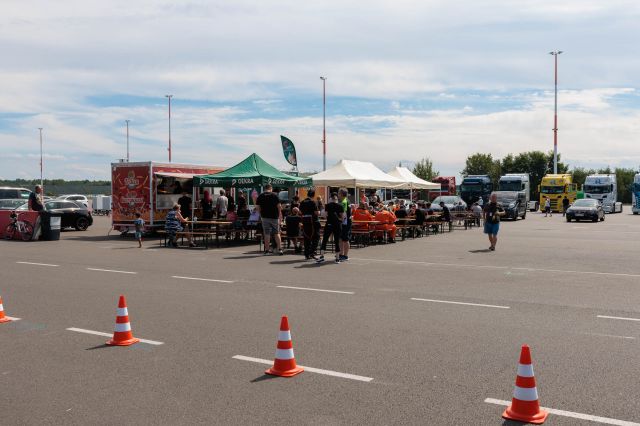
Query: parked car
point(514, 203)
point(585, 209)
point(73, 214)
point(7, 192)
point(11, 203)
point(451, 201)
point(75, 197)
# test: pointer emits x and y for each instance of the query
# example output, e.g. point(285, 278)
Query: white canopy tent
point(355, 174)
point(411, 181)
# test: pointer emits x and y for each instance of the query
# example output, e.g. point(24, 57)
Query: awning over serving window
point(177, 175)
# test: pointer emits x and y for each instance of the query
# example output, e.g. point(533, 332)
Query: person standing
point(139, 224)
point(565, 205)
point(269, 207)
point(242, 202)
point(477, 212)
point(310, 225)
point(185, 205)
point(547, 207)
point(492, 213)
point(35, 200)
point(207, 206)
point(222, 204)
point(345, 231)
point(333, 227)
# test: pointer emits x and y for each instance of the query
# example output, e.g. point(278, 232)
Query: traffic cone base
point(3, 318)
point(123, 342)
point(536, 419)
point(287, 373)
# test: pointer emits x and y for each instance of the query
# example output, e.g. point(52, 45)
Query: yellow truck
point(555, 187)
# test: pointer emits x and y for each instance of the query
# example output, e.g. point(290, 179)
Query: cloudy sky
point(405, 79)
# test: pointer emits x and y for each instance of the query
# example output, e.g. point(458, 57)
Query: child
point(139, 223)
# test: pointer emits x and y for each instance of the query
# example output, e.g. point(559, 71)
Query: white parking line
point(461, 303)
point(571, 414)
point(111, 270)
point(37, 264)
point(12, 318)
point(315, 289)
point(611, 335)
point(618, 318)
point(100, 333)
point(309, 369)
point(202, 279)
point(462, 265)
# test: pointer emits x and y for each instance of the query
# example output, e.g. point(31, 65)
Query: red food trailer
point(151, 189)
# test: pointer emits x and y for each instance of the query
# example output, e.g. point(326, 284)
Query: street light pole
point(324, 129)
point(555, 54)
point(169, 97)
point(41, 165)
point(127, 121)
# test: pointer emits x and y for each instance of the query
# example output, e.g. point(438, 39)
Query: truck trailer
point(603, 188)
point(151, 189)
point(447, 187)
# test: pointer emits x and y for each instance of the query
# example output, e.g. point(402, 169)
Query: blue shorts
point(138, 235)
point(491, 228)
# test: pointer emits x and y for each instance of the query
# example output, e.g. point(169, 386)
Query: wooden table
point(217, 223)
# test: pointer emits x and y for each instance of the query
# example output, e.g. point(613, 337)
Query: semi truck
point(475, 188)
point(556, 187)
point(635, 194)
point(151, 189)
point(518, 182)
point(447, 186)
point(603, 188)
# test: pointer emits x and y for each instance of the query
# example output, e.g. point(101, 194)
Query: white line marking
point(37, 264)
point(315, 289)
point(462, 265)
point(12, 318)
point(111, 270)
point(461, 303)
point(571, 414)
point(202, 279)
point(611, 335)
point(618, 318)
point(100, 333)
point(310, 369)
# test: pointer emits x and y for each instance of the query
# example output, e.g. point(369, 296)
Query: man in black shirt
point(333, 227)
point(185, 205)
point(35, 202)
point(310, 225)
point(565, 205)
point(270, 209)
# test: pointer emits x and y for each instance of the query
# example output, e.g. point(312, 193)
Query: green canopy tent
point(252, 171)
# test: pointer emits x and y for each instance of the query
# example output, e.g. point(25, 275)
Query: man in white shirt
point(222, 204)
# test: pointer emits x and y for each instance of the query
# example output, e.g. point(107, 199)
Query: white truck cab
point(635, 194)
point(603, 188)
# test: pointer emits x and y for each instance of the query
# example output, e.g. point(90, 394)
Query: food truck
point(151, 189)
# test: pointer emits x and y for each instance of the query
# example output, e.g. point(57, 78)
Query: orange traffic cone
point(122, 333)
point(3, 318)
point(285, 363)
point(524, 405)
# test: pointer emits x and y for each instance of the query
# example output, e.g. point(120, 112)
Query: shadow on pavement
point(102, 346)
point(263, 378)
point(245, 257)
point(480, 251)
point(287, 262)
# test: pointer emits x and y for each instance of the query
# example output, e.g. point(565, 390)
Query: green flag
point(289, 151)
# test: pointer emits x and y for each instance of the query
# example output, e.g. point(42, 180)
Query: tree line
point(536, 163)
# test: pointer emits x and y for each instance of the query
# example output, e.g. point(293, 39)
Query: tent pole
point(193, 204)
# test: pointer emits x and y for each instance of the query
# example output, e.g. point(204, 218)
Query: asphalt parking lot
point(420, 332)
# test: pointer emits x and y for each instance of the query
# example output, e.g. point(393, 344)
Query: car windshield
point(636, 187)
point(506, 198)
point(513, 185)
point(598, 189)
point(552, 189)
point(471, 187)
point(585, 203)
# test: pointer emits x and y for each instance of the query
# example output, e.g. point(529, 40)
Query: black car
point(73, 214)
point(513, 202)
point(585, 209)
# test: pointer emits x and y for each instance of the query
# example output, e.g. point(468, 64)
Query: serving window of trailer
point(170, 187)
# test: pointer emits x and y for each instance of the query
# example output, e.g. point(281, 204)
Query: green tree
point(482, 164)
point(424, 169)
point(507, 164)
point(562, 168)
point(580, 175)
point(624, 178)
